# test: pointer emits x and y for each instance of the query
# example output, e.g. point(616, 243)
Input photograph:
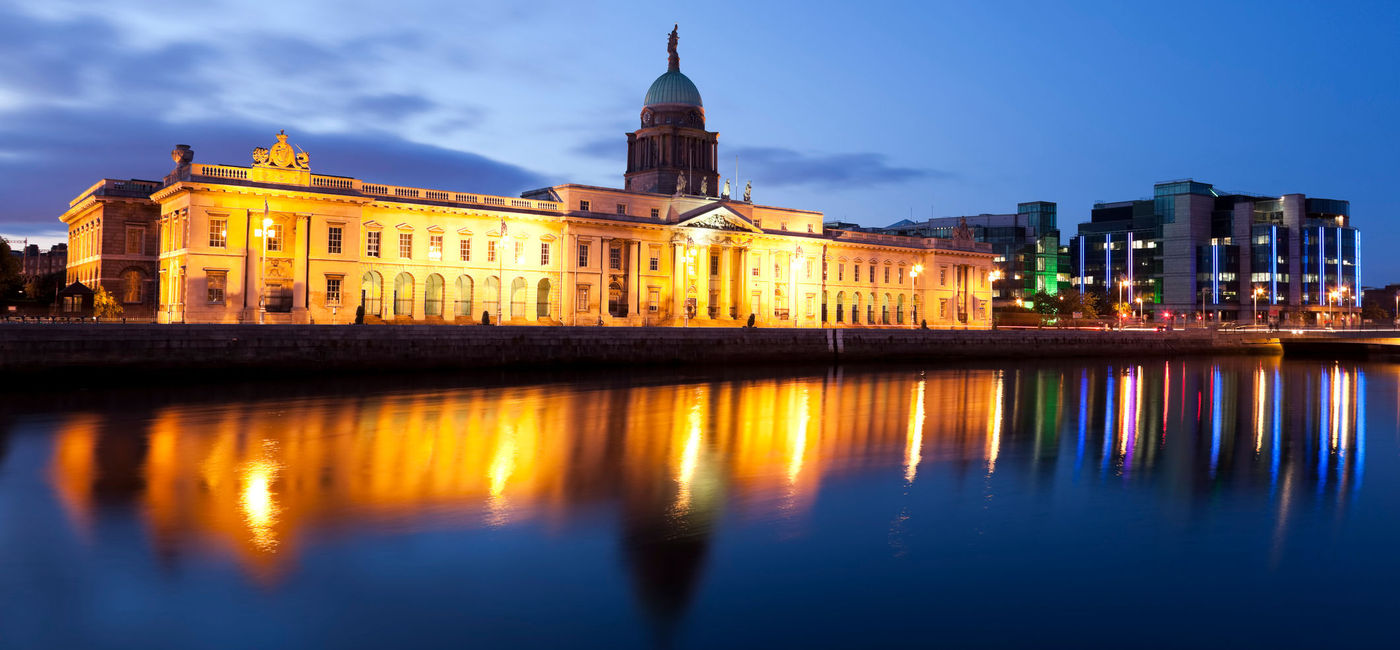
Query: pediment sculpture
point(282, 155)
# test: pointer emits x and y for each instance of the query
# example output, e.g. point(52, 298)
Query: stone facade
point(112, 242)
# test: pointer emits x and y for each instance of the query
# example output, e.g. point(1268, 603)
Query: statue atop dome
point(674, 62)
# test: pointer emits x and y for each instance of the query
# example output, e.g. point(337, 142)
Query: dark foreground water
point(1183, 503)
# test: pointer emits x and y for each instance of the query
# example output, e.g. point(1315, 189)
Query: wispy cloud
point(780, 167)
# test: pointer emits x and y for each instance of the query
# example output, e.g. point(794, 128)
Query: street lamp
point(1121, 285)
point(1139, 306)
point(1258, 291)
point(1331, 298)
point(913, 282)
point(264, 233)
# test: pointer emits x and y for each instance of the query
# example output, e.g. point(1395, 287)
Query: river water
point(1204, 502)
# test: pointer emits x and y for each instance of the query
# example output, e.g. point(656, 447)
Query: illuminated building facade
point(1026, 245)
point(273, 242)
point(1193, 249)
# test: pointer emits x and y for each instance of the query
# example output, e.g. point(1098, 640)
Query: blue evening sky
point(866, 111)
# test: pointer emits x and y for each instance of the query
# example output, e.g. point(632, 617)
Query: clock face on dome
point(646, 117)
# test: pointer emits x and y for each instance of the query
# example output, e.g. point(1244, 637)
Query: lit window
point(218, 233)
point(333, 239)
point(372, 243)
point(216, 282)
point(406, 245)
point(466, 249)
point(435, 247)
point(544, 253)
point(274, 239)
point(332, 290)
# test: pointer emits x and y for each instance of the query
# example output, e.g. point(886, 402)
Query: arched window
point(617, 306)
point(855, 308)
point(518, 290)
point(885, 310)
point(840, 300)
point(372, 292)
point(493, 297)
point(403, 295)
point(914, 311)
point(464, 295)
point(780, 306)
point(432, 296)
point(132, 282)
point(899, 310)
point(542, 299)
point(870, 309)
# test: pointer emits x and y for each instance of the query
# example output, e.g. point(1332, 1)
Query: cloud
point(612, 148)
point(390, 107)
point(780, 167)
point(49, 156)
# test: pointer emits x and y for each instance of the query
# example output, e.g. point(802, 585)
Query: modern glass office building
point(1026, 244)
point(1194, 251)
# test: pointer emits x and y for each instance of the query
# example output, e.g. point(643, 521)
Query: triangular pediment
point(717, 217)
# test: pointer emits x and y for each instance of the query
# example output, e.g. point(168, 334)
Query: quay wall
point(320, 348)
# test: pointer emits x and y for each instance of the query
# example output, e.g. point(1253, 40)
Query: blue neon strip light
point(1215, 274)
point(1273, 265)
point(1108, 263)
point(1356, 267)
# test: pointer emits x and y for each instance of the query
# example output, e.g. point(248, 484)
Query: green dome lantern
point(673, 87)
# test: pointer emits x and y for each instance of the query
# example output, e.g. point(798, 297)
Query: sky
point(869, 112)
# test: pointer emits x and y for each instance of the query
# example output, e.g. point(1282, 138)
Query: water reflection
point(257, 478)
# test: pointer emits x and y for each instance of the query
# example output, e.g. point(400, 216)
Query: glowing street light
point(1139, 307)
point(1258, 291)
point(266, 231)
point(1121, 285)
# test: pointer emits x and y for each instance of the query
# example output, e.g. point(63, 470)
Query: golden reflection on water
point(258, 476)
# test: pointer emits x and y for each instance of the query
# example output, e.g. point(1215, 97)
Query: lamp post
point(1139, 308)
point(1331, 298)
point(1395, 315)
point(1121, 285)
point(1257, 292)
point(1342, 305)
point(913, 283)
point(264, 233)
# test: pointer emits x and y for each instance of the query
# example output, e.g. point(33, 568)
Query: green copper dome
point(673, 88)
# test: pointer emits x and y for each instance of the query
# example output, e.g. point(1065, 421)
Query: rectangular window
point(872, 274)
point(622, 208)
point(465, 247)
point(274, 239)
point(840, 272)
point(406, 245)
point(332, 290)
point(519, 250)
point(808, 271)
point(655, 212)
point(135, 240)
point(435, 247)
point(490, 250)
point(218, 233)
point(333, 239)
point(809, 227)
point(856, 268)
point(653, 300)
point(901, 275)
point(887, 275)
point(615, 258)
point(654, 259)
point(544, 253)
point(714, 265)
point(583, 205)
point(942, 276)
point(216, 282)
point(581, 300)
point(372, 243)
point(582, 255)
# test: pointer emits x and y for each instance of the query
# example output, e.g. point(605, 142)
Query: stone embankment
point(323, 348)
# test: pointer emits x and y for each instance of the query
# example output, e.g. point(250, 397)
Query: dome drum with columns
point(671, 152)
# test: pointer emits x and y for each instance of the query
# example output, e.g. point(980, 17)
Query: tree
point(105, 305)
point(9, 270)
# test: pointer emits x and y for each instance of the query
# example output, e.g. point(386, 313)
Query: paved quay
point(63, 347)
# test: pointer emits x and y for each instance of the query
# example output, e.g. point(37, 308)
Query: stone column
point(678, 281)
point(726, 275)
point(300, 270)
point(742, 286)
point(634, 265)
point(702, 282)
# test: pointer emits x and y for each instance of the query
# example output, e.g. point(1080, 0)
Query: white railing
point(336, 182)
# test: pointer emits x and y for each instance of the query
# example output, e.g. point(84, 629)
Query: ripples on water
point(1232, 500)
